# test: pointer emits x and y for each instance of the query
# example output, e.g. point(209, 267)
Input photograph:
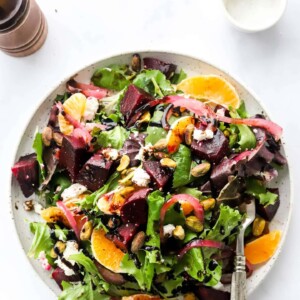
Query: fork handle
point(238, 283)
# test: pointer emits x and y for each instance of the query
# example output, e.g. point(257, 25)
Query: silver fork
point(238, 283)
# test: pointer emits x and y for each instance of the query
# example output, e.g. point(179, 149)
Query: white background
point(81, 32)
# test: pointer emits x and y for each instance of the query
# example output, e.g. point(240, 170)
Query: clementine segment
point(262, 249)
point(186, 207)
point(175, 134)
point(105, 251)
point(211, 88)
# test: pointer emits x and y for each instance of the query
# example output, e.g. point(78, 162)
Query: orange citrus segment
point(262, 249)
point(212, 88)
point(175, 134)
point(186, 207)
point(75, 107)
point(105, 251)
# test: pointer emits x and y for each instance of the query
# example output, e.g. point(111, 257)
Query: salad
point(138, 178)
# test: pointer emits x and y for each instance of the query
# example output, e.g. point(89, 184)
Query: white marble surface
point(268, 62)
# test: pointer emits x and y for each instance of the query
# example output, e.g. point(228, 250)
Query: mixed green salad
point(139, 175)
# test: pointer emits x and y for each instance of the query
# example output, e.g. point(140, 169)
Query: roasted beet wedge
point(135, 210)
point(156, 64)
point(268, 211)
point(213, 150)
point(133, 99)
point(124, 235)
point(206, 293)
point(158, 174)
point(26, 171)
point(95, 172)
point(132, 148)
point(59, 276)
point(73, 155)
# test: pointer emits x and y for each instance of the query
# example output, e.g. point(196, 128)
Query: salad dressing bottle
point(23, 27)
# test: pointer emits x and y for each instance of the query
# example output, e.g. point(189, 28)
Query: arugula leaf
point(154, 133)
point(112, 77)
point(174, 215)
point(154, 82)
point(126, 289)
point(182, 175)
point(178, 77)
point(114, 138)
point(41, 240)
point(60, 234)
point(38, 148)
point(190, 191)
point(257, 189)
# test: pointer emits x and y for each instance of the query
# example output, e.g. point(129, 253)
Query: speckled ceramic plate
point(192, 66)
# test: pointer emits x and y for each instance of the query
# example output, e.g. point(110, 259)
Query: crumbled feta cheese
point(144, 149)
point(201, 135)
point(168, 230)
point(38, 208)
point(111, 153)
point(71, 248)
point(140, 155)
point(141, 177)
point(44, 261)
point(91, 108)
point(73, 191)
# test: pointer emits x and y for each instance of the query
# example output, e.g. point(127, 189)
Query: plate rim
point(117, 54)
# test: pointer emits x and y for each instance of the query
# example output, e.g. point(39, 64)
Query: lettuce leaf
point(154, 82)
point(178, 77)
point(246, 137)
point(113, 77)
point(38, 148)
point(154, 133)
point(182, 175)
point(111, 105)
point(166, 288)
point(257, 189)
point(190, 191)
point(41, 240)
point(114, 138)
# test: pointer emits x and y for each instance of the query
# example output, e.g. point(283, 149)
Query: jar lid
point(13, 17)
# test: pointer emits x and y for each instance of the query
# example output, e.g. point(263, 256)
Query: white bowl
point(254, 15)
point(192, 66)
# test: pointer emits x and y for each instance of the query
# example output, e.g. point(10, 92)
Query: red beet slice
point(59, 276)
point(206, 293)
point(133, 99)
point(135, 210)
point(26, 171)
point(95, 172)
point(73, 155)
point(124, 235)
point(214, 149)
point(158, 174)
point(156, 64)
point(268, 211)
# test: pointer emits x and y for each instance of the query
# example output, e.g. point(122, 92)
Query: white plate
point(192, 66)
